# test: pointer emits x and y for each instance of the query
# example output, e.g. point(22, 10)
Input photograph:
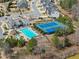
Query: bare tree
point(75, 11)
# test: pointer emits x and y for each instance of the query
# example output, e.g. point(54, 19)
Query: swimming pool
point(49, 27)
point(28, 32)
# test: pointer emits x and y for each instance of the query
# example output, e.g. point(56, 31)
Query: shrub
point(11, 41)
point(31, 44)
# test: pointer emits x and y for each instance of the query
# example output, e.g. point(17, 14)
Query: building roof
point(22, 4)
point(50, 8)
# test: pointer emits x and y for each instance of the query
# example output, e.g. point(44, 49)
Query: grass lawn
point(74, 57)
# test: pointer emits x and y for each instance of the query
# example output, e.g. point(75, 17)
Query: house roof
point(22, 4)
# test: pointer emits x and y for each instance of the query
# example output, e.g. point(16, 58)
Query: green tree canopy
point(67, 42)
point(56, 41)
point(67, 4)
point(11, 41)
point(66, 21)
point(31, 44)
point(21, 42)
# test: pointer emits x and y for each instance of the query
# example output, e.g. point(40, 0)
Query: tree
point(11, 41)
point(66, 21)
point(6, 0)
point(19, 55)
point(75, 11)
point(61, 43)
point(31, 44)
point(59, 32)
point(21, 42)
point(8, 8)
point(67, 42)
point(1, 42)
point(67, 4)
point(56, 41)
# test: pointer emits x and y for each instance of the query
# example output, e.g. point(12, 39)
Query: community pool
point(49, 27)
point(28, 32)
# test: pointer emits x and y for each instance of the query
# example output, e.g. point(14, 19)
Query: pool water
point(28, 32)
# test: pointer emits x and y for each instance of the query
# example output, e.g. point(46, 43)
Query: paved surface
point(36, 13)
point(1, 35)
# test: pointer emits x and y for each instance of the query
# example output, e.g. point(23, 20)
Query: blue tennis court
point(49, 27)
